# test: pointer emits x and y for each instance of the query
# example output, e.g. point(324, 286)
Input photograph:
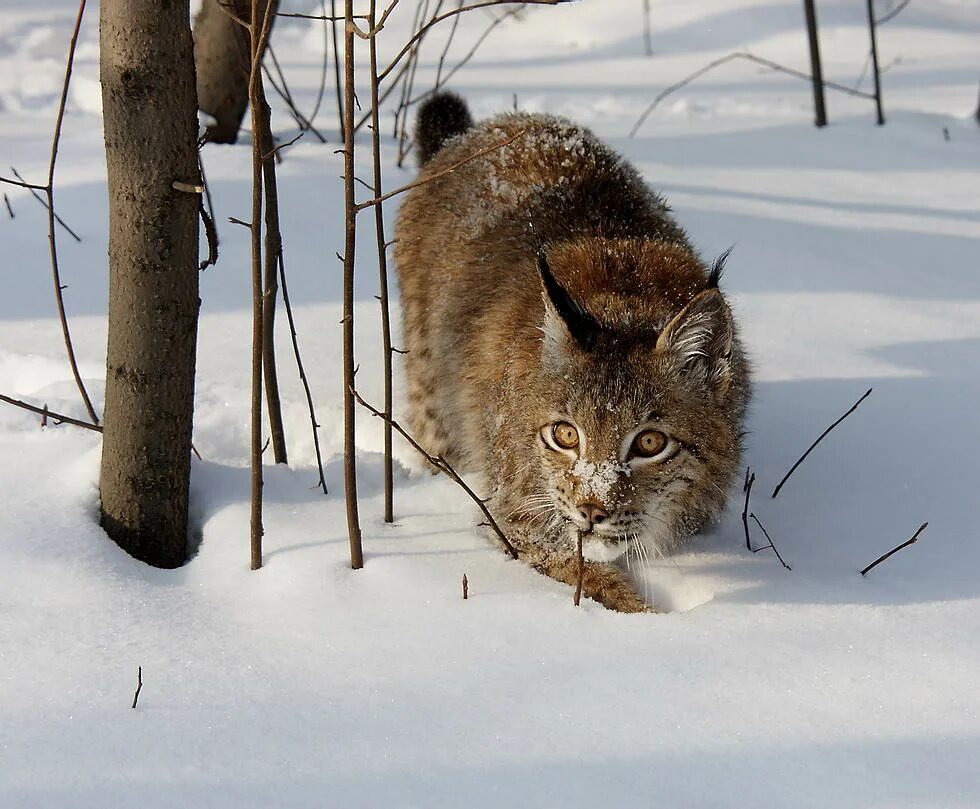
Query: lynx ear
point(700, 338)
point(563, 313)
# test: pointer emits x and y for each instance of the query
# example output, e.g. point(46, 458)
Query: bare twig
point(448, 44)
point(747, 488)
point(207, 217)
point(328, 17)
point(139, 686)
point(45, 412)
point(438, 18)
point(749, 57)
point(408, 82)
point(823, 435)
point(211, 234)
point(449, 170)
point(466, 588)
point(302, 372)
point(392, 86)
point(324, 67)
point(895, 550)
point(6, 201)
point(379, 227)
point(581, 570)
point(41, 200)
point(21, 183)
point(258, 33)
point(440, 83)
point(350, 241)
point(770, 545)
point(891, 15)
point(374, 28)
point(273, 251)
point(48, 190)
point(282, 90)
point(336, 66)
point(443, 465)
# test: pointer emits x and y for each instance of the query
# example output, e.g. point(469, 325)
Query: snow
point(308, 684)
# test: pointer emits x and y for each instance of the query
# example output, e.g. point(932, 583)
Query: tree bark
point(149, 109)
point(222, 55)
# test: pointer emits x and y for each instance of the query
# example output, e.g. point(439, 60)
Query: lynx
point(565, 341)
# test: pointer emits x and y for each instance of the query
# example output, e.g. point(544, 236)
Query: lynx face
point(636, 442)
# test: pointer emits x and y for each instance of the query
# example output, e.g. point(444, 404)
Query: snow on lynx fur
point(565, 341)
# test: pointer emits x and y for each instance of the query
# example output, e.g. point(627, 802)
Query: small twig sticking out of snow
point(581, 570)
point(770, 545)
point(139, 686)
point(895, 550)
point(442, 464)
point(747, 488)
point(823, 435)
point(466, 588)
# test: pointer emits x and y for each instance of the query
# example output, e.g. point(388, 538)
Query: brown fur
point(491, 362)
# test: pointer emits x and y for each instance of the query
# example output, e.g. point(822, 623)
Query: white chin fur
point(595, 550)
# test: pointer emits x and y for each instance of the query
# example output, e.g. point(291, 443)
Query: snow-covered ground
point(307, 684)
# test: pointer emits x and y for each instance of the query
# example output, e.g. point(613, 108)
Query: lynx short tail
point(440, 118)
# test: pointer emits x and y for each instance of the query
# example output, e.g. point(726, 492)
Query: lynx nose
point(593, 513)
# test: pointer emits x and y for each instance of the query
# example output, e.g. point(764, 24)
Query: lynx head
point(642, 391)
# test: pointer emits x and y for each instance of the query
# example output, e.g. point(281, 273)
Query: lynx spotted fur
point(565, 341)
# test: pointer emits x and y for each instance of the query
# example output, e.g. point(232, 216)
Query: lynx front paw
point(600, 581)
point(608, 586)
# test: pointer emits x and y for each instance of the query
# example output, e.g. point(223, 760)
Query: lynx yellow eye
point(565, 435)
point(649, 443)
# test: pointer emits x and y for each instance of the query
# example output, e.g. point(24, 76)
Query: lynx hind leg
point(601, 582)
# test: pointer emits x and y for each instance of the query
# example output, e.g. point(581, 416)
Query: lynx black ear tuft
point(718, 268)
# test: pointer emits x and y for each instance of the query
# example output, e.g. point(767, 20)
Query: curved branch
point(445, 16)
point(749, 57)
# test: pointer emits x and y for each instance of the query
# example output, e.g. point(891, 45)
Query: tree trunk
point(816, 71)
point(222, 55)
point(149, 108)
